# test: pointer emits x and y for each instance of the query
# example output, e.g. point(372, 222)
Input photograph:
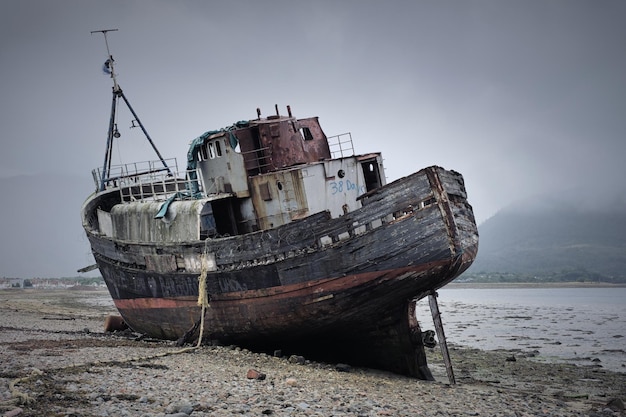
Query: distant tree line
point(38, 281)
point(580, 275)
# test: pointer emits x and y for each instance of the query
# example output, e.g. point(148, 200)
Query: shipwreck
point(292, 240)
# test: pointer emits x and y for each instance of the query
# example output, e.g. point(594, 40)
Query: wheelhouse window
point(306, 133)
point(210, 150)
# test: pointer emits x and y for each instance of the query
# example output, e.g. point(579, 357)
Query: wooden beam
point(434, 310)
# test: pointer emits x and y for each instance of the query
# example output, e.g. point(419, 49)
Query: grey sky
point(521, 97)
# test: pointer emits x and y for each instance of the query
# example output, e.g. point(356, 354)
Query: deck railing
point(341, 145)
point(150, 181)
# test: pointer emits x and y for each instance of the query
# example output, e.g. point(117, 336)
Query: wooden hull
point(340, 290)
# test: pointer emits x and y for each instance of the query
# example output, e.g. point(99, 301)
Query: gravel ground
point(56, 360)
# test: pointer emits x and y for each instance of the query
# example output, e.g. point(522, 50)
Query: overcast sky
point(521, 97)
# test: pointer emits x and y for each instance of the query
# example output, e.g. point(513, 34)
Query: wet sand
point(56, 360)
point(575, 323)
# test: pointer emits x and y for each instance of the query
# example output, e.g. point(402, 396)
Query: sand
point(56, 360)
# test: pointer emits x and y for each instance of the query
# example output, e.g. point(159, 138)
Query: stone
point(13, 413)
point(183, 407)
point(297, 359)
point(616, 404)
point(342, 367)
point(254, 374)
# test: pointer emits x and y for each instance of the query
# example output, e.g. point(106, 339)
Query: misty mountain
point(40, 225)
point(557, 239)
point(566, 235)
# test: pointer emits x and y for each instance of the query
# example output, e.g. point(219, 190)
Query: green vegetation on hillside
point(560, 244)
point(573, 275)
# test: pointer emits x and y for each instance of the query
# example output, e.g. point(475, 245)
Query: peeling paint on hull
point(300, 243)
point(346, 298)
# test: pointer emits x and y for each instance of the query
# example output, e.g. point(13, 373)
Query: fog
point(523, 98)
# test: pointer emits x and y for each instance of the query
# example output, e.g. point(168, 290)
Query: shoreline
point(53, 344)
point(453, 284)
point(496, 285)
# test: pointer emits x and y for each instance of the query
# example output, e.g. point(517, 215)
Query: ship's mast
point(109, 66)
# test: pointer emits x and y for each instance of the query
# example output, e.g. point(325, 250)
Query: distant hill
point(580, 236)
point(558, 239)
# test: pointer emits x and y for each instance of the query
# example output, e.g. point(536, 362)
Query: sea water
point(586, 326)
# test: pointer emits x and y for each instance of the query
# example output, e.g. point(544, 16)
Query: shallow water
point(586, 326)
point(580, 325)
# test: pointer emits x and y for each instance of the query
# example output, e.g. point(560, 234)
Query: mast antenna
point(113, 133)
point(108, 65)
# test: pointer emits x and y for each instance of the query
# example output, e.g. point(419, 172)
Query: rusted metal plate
point(269, 145)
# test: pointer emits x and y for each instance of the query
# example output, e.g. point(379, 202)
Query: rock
point(292, 382)
point(297, 359)
point(278, 353)
point(511, 359)
point(114, 323)
point(13, 413)
point(254, 374)
point(180, 408)
point(616, 404)
point(342, 367)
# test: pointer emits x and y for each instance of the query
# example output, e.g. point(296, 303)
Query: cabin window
point(371, 175)
point(306, 133)
point(211, 150)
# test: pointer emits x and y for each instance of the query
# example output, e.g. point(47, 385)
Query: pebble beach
point(57, 360)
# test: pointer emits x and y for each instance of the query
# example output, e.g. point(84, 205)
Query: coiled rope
point(20, 398)
point(17, 397)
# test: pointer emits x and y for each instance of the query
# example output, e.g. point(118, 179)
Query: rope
point(203, 298)
point(17, 397)
point(203, 301)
